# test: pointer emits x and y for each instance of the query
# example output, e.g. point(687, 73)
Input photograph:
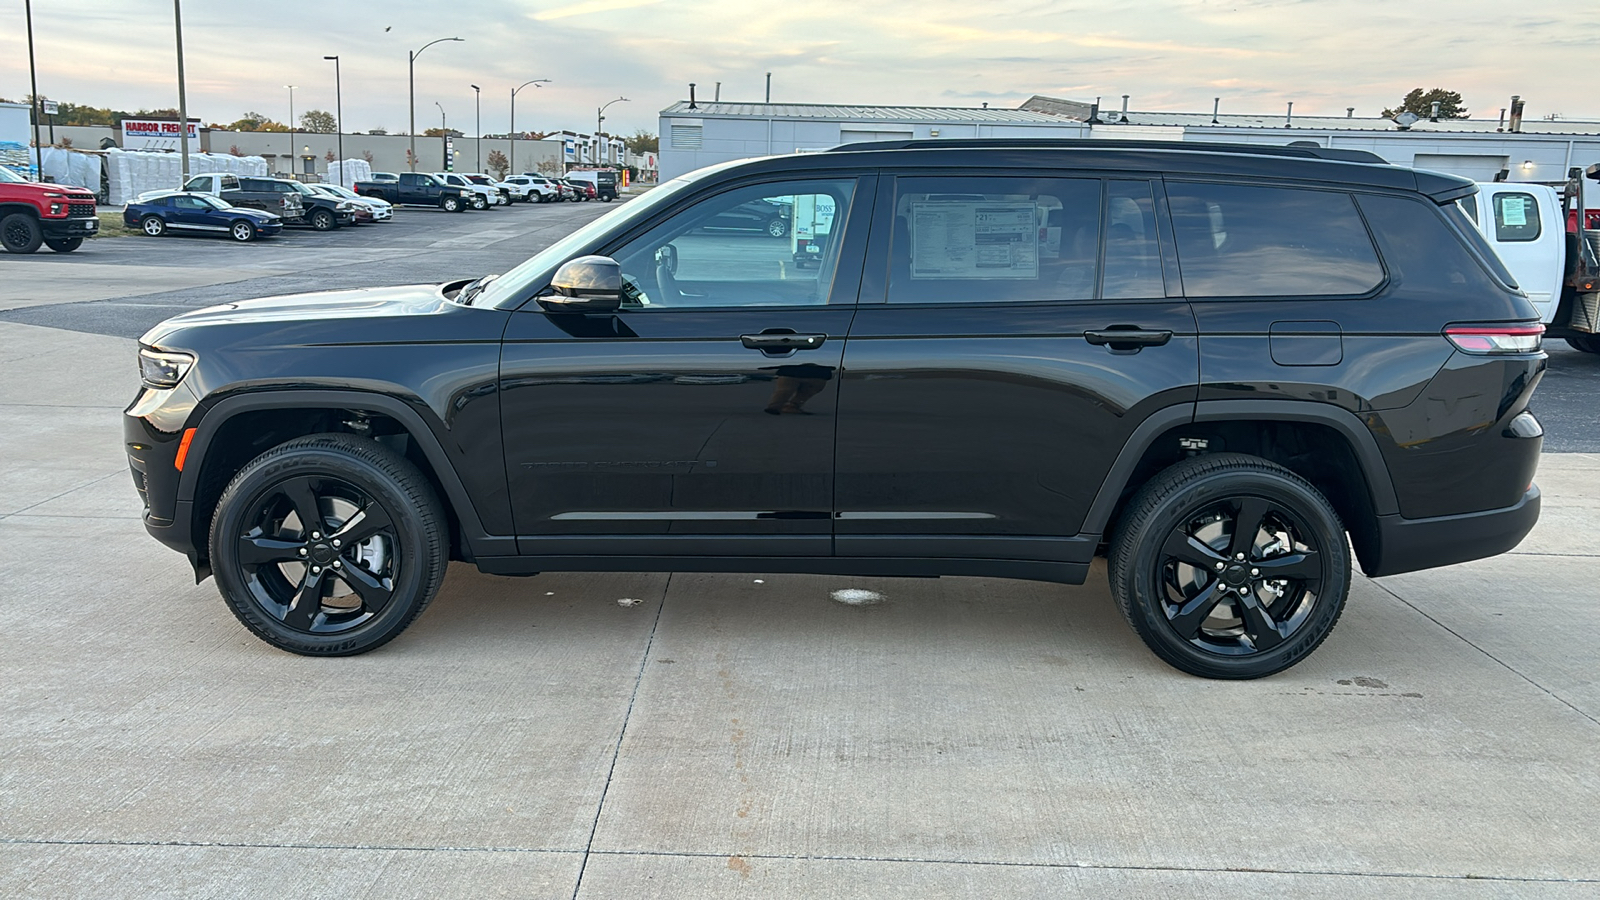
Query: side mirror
point(588, 284)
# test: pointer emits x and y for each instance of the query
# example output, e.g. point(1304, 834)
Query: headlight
point(163, 369)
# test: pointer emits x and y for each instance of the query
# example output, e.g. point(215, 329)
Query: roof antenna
point(691, 96)
point(1216, 103)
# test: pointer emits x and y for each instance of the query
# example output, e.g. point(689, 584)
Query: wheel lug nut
point(315, 570)
point(316, 536)
point(336, 542)
point(1220, 566)
point(337, 564)
point(302, 551)
point(1255, 571)
point(1238, 556)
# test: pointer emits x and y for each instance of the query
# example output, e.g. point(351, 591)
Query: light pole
point(536, 82)
point(33, 78)
point(338, 111)
point(477, 142)
point(411, 87)
point(444, 139)
point(600, 117)
point(292, 160)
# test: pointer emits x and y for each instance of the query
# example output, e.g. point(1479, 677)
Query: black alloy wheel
point(154, 226)
point(328, 545)
point(322, 220)
point(242, 231)
point(64, 245)
point(1230, 566)
point(20, 233)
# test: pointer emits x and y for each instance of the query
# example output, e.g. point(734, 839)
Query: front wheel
point(322, 220)
point(242, 232)
point(450, 204)
point(328, 545)
point(64, 245)
point(1230, 566)
point(478, 202)
point(20, 233)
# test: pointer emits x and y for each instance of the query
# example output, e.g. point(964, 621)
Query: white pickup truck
point(1527, 225)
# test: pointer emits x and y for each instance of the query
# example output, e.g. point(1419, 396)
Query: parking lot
point(736, 735)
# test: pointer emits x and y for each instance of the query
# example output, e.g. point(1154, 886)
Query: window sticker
point(974, 239)
point(1512, 211)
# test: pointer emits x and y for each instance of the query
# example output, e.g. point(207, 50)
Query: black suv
point(1211, 364)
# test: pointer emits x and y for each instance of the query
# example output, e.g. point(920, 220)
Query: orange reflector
point(183, 448)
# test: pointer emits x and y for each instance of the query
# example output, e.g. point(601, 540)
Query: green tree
point(642, 142)
point(498, 164)
point(1421, 103)
point(318, 121)
point(440, 132)
point(254, 121)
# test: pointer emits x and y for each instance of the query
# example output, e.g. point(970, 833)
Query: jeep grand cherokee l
point(1221, 367)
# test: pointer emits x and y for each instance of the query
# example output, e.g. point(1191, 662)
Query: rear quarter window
point(1247, 241)
point(1425, 256)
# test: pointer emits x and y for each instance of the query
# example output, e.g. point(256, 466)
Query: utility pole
point(477, 100)
point(411, 86)
point(338, 111)
point(183, 102)
point(33, 78)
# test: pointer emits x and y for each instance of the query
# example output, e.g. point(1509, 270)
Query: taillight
point(1495, 339)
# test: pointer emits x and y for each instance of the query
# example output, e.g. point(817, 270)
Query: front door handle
point(779, 342)
point(1127, 337)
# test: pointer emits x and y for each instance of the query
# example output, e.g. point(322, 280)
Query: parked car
point(482, 180)
point(580, 190)
point(482, 197)
point(603, 181)
point(193, 213)
point(768, 216)
point(1221, 365)
point(384, 176)
point(534, 188)
point(557, 194)
point(417, 189)
point(295, 202)
point(375, 209)
point(32, 213)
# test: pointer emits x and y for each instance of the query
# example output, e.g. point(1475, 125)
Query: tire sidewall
point(160, 226)
point(450, 204)
point(417, 557)
point(1136, 582)
point(322, 220)
point(249, 232)
point(28, 222)
point(64, 245)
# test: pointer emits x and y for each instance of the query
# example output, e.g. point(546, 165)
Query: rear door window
point(1516, 217)
point(1239, 240)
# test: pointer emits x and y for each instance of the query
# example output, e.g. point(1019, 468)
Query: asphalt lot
point(733, 735)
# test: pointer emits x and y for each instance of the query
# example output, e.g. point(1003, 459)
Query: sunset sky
point(1175, 55)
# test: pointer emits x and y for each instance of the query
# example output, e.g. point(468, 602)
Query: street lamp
point(444, 139)
point(33, 76)
point(338, 110)
point(411, 86)
point(600, 117)
point(536, 82)
point(477, 142)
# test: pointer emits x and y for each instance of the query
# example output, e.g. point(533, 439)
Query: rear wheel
point(242, 231)
point(20, 233)
point(64, 245)
point(1230, 566)
point(777, 228)
point(153, 226)
point(1588, 343)
point(328, 545)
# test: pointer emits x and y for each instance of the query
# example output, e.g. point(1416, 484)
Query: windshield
point(302, 188)
point(9, 177)
point(510, 289)
point(340, 191)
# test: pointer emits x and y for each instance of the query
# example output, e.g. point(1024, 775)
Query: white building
point(1540, 150)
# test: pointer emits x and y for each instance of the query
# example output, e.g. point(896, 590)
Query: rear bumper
point(1409, 545)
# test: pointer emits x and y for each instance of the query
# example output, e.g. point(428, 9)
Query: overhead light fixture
point(1527, 164)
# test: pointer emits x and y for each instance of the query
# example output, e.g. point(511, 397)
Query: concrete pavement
point(747, 736)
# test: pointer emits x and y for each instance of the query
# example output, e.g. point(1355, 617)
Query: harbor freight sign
point(157, 134)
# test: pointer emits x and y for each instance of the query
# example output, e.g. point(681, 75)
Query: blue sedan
point(198, 214)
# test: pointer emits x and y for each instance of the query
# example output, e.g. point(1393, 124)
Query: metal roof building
point(700, 134)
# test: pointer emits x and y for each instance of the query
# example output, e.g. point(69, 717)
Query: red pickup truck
point(59, 216)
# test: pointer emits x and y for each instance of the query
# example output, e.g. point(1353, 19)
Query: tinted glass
point(978, 239)
point(766, 245)
point(1423, 254)
point(1245, 241)
point(1133, 252)
point(1516, 217)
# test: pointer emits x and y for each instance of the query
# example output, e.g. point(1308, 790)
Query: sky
point(1170, 55)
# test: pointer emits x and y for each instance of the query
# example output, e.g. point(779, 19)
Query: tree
point(254, 121)
point(318, 121)
point(234, 149)
point(1421, 104)
point(551, 167)
point(498, 164)
point(642, 142)
point(329, 156)
point(440, 132)
point(367, 155)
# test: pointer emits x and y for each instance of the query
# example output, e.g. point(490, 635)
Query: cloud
point(589, 6)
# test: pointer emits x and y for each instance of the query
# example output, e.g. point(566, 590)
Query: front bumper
point(1409, 545)
point(76, 226)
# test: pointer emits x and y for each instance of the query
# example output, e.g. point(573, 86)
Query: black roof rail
point(1331, 153)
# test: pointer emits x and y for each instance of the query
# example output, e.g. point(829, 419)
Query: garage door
point(1478, 168)
point(857, 135)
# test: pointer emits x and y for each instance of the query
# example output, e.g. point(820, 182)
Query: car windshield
point(301, 188)
point(510, 289)
point(339, 191)
point(9, 177)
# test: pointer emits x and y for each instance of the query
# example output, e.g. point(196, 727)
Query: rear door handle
point(1120, 338)
point(782, 341)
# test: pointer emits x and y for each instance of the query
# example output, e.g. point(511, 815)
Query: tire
point(153, 226)
point(777, 228)
point(367, 589)
point(478, 202)
point(450, 204)
point(64, 245)
point(322, 220)
point(1179, 527)
point(242, 231)
point(20, 233)
point(1588, 343)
